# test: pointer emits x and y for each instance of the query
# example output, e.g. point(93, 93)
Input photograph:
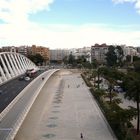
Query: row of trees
point(118, 117)
point(130, 83)
point(115, 57)
point(79, 62)
point(37, 59)
point(132, 86)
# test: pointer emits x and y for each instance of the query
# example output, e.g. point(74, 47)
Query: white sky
point(17, 29)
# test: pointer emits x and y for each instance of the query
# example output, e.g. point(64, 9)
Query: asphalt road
point(8, 122)
point(11, 89)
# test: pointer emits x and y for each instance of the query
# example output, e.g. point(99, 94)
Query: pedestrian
point(81, 136)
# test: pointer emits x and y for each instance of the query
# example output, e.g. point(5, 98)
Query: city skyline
point(69, 23)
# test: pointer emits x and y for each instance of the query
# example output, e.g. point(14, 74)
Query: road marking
point(5, 129)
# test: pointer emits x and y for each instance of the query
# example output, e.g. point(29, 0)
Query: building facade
point(85, 51)
point(57, 55)
point(129, 51)
point(9, 49)
point(29, 50)
point(43, 51)
point(98, 52)
point(23, 50)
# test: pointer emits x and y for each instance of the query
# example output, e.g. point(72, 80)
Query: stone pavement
point(72, 111)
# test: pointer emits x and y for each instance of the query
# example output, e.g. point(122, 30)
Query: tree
point(87, 64)
point(119, 119)
point(111, 56)
point(132, 83)
point(110, 88)
point(37, 59)
point(71, 59)
point(128, 58)
point(94, 63)
point(111, 94)
point(120, 55)
point(137, 66)
point(99, 73)
point(81, 59)
point(136, 58)
point(111, 75)
point(94, 74)
point(65, 60)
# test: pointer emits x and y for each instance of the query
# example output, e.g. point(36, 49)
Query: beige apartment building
point(43, 51)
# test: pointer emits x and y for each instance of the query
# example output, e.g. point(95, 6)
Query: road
point(11, 89)
point(63, 110)
point(8, 122)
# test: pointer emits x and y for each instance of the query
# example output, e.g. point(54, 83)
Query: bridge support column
point(9, 67)
point(5, 68)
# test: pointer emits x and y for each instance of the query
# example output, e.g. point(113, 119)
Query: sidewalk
point(71, 110)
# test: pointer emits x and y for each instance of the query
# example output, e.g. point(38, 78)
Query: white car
point(27, 78)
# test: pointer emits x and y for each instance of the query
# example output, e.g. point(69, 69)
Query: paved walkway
point(63, 110)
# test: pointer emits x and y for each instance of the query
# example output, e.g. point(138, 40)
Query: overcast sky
point(69, 23)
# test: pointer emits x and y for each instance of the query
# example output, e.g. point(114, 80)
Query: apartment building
point(98, 52)
point(57, 55)
point(23, 50)
point(9, 49)
point(85, 51)
point(131, 51)
point(43, 51)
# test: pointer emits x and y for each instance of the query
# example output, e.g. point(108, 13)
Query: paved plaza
point(64, 110)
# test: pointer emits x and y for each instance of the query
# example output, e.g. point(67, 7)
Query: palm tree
point(133, 92)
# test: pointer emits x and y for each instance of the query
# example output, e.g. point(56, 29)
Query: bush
point(86, 81)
